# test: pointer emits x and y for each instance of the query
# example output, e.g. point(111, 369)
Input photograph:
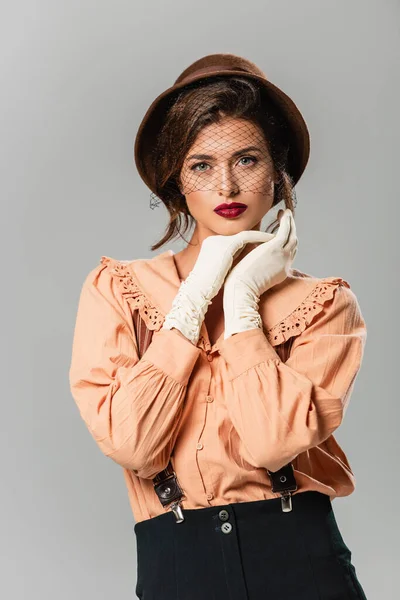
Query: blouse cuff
point(173, 354)
point(245, 350)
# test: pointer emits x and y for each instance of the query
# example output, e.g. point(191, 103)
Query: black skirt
point(247, 551)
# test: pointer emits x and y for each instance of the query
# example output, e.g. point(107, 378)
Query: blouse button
point(209, 398)
point(199, 446)
point(210, 496)
point(209, 357)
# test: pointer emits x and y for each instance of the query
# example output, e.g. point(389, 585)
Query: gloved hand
point(204, 281)
point(265, 266)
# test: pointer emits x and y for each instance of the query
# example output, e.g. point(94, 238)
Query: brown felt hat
point(202, 69)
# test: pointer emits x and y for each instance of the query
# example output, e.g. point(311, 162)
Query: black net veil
point(222, 133)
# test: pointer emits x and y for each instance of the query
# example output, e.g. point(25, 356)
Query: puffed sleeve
point(130, 406)
point(281, 409)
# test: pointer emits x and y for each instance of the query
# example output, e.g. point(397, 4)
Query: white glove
point(265, 266)
point(204, 281)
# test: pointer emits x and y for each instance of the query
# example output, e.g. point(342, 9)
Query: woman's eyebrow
point(210, 157)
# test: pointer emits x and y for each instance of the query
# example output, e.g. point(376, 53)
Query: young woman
point(216, 377)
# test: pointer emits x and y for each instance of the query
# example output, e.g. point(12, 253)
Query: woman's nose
point(227, 182)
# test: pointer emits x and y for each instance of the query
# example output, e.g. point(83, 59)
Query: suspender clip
point(284, 482)
point(177, 510)
point(286, 502)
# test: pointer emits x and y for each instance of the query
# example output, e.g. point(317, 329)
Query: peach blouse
point(225, 412)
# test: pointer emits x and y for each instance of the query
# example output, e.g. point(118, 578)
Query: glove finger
point(251, 236)
point(285, 225)
point(293, 232)
point(293, 241)
point(292, 238)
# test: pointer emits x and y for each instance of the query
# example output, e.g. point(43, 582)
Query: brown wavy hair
point(196, 106)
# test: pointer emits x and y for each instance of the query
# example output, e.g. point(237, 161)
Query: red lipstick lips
point(230, 210)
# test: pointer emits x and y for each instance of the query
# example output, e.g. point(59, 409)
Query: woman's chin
point(232, 226)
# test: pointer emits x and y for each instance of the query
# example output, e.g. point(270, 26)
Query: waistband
point(304, 502)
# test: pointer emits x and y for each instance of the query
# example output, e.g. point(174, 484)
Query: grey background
point(76, 79)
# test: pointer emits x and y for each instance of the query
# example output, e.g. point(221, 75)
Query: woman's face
point(229, 162)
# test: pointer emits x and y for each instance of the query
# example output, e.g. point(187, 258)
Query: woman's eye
point(194, 167)
point(252, 158)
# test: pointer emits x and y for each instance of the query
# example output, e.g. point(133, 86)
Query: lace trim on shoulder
point(131, 290)
point(298, 320)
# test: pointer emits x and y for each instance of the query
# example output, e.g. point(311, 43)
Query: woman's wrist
point(187, 312)
point(188, 330)
point(179, 332)
point(240, 306)
point(184, 320)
